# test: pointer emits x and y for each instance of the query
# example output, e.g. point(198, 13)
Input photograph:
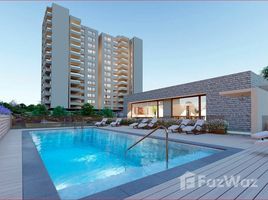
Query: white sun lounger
point(152, 123)
point(260, 135)
point(197, 127)
point(262, 138)
point(183, 124)
point(135, 125)
point(102, 122)
point(149, 125)
point(117, 122)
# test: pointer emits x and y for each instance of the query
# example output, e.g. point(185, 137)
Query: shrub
point(167, 122)
point(127, 122)
point(4, 110)
point(106, 112)
point(217, 124)
point(87, 110)
point(264, 72)
point(40, 110)
point(59, 112)
point(30, 108)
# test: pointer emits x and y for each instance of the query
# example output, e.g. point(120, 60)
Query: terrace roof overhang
point(241, 92)
point(236, 93)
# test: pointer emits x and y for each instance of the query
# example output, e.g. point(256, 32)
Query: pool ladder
point(166, 138)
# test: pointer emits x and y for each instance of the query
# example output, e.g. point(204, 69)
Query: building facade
point(237, 98)
point(79, 65)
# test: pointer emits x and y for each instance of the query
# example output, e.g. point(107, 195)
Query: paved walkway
point(11, 166)
point(251, 163)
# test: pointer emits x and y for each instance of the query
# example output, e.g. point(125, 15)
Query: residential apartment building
point(79, 65)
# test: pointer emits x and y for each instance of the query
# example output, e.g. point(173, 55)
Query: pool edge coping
point(118, 192)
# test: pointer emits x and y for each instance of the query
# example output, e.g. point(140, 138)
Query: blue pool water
point(83, 162)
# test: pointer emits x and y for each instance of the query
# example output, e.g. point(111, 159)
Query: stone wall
point(237, 111)
point(5, 123)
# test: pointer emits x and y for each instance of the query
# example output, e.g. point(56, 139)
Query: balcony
point(121, 83)
point(48, 46)
point(47, 93)
point(75, 23)
point(75, 61)
point(75, 39)
point(121, 73)
point(122, 78)
point(76, 89)
point(122, 67)
point(123, 89)
point(47, 85)
point(47, 69)
point(75, 33)
point(47, 77)
point(123, 44)
point(47, 62)
point(123, 61)
point(122, 55)
point(75, 69)
point(76, 97)
point(121, 94)
point(75, 55)
point(46, 101)
point(48, 39)
point(75, 82)
point(76, 103)
point(122, 39)
point(76, 75)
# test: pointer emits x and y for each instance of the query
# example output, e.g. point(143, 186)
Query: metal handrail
point(158, 127)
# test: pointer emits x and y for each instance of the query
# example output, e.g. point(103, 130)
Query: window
point(147, 109)
point(107, 73)
point(91, 95)
point(91, 51)
point(189, 107)
point(108, 85)
point(91, 101)
point(90, 70)
point(107, 79)
point(107, 68)
point(108, 62)
point(160, 109)
point(92, 89)
point(90, 76)
point(203, 107)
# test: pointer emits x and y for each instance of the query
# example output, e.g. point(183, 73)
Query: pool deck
point(252, 162)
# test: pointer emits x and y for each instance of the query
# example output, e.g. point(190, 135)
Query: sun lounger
point(178, 127)
point(148, 125)
point(195, 128)
point(260, 135)
point(117, 122)
point(102, 122)
point(152, 124)
point(142, 125)
point(262, 138)
point(135, 125)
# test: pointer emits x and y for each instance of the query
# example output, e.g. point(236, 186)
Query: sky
point(182, 41)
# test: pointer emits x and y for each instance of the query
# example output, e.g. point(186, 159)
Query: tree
point(264, 72)
point(106, 112)
point(87, 109)
point(59, 112)
point(30, 108)
point(40, 110)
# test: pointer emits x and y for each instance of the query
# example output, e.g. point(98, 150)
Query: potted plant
point(217, 126)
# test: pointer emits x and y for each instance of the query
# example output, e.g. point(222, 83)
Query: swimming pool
point(82, 162)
